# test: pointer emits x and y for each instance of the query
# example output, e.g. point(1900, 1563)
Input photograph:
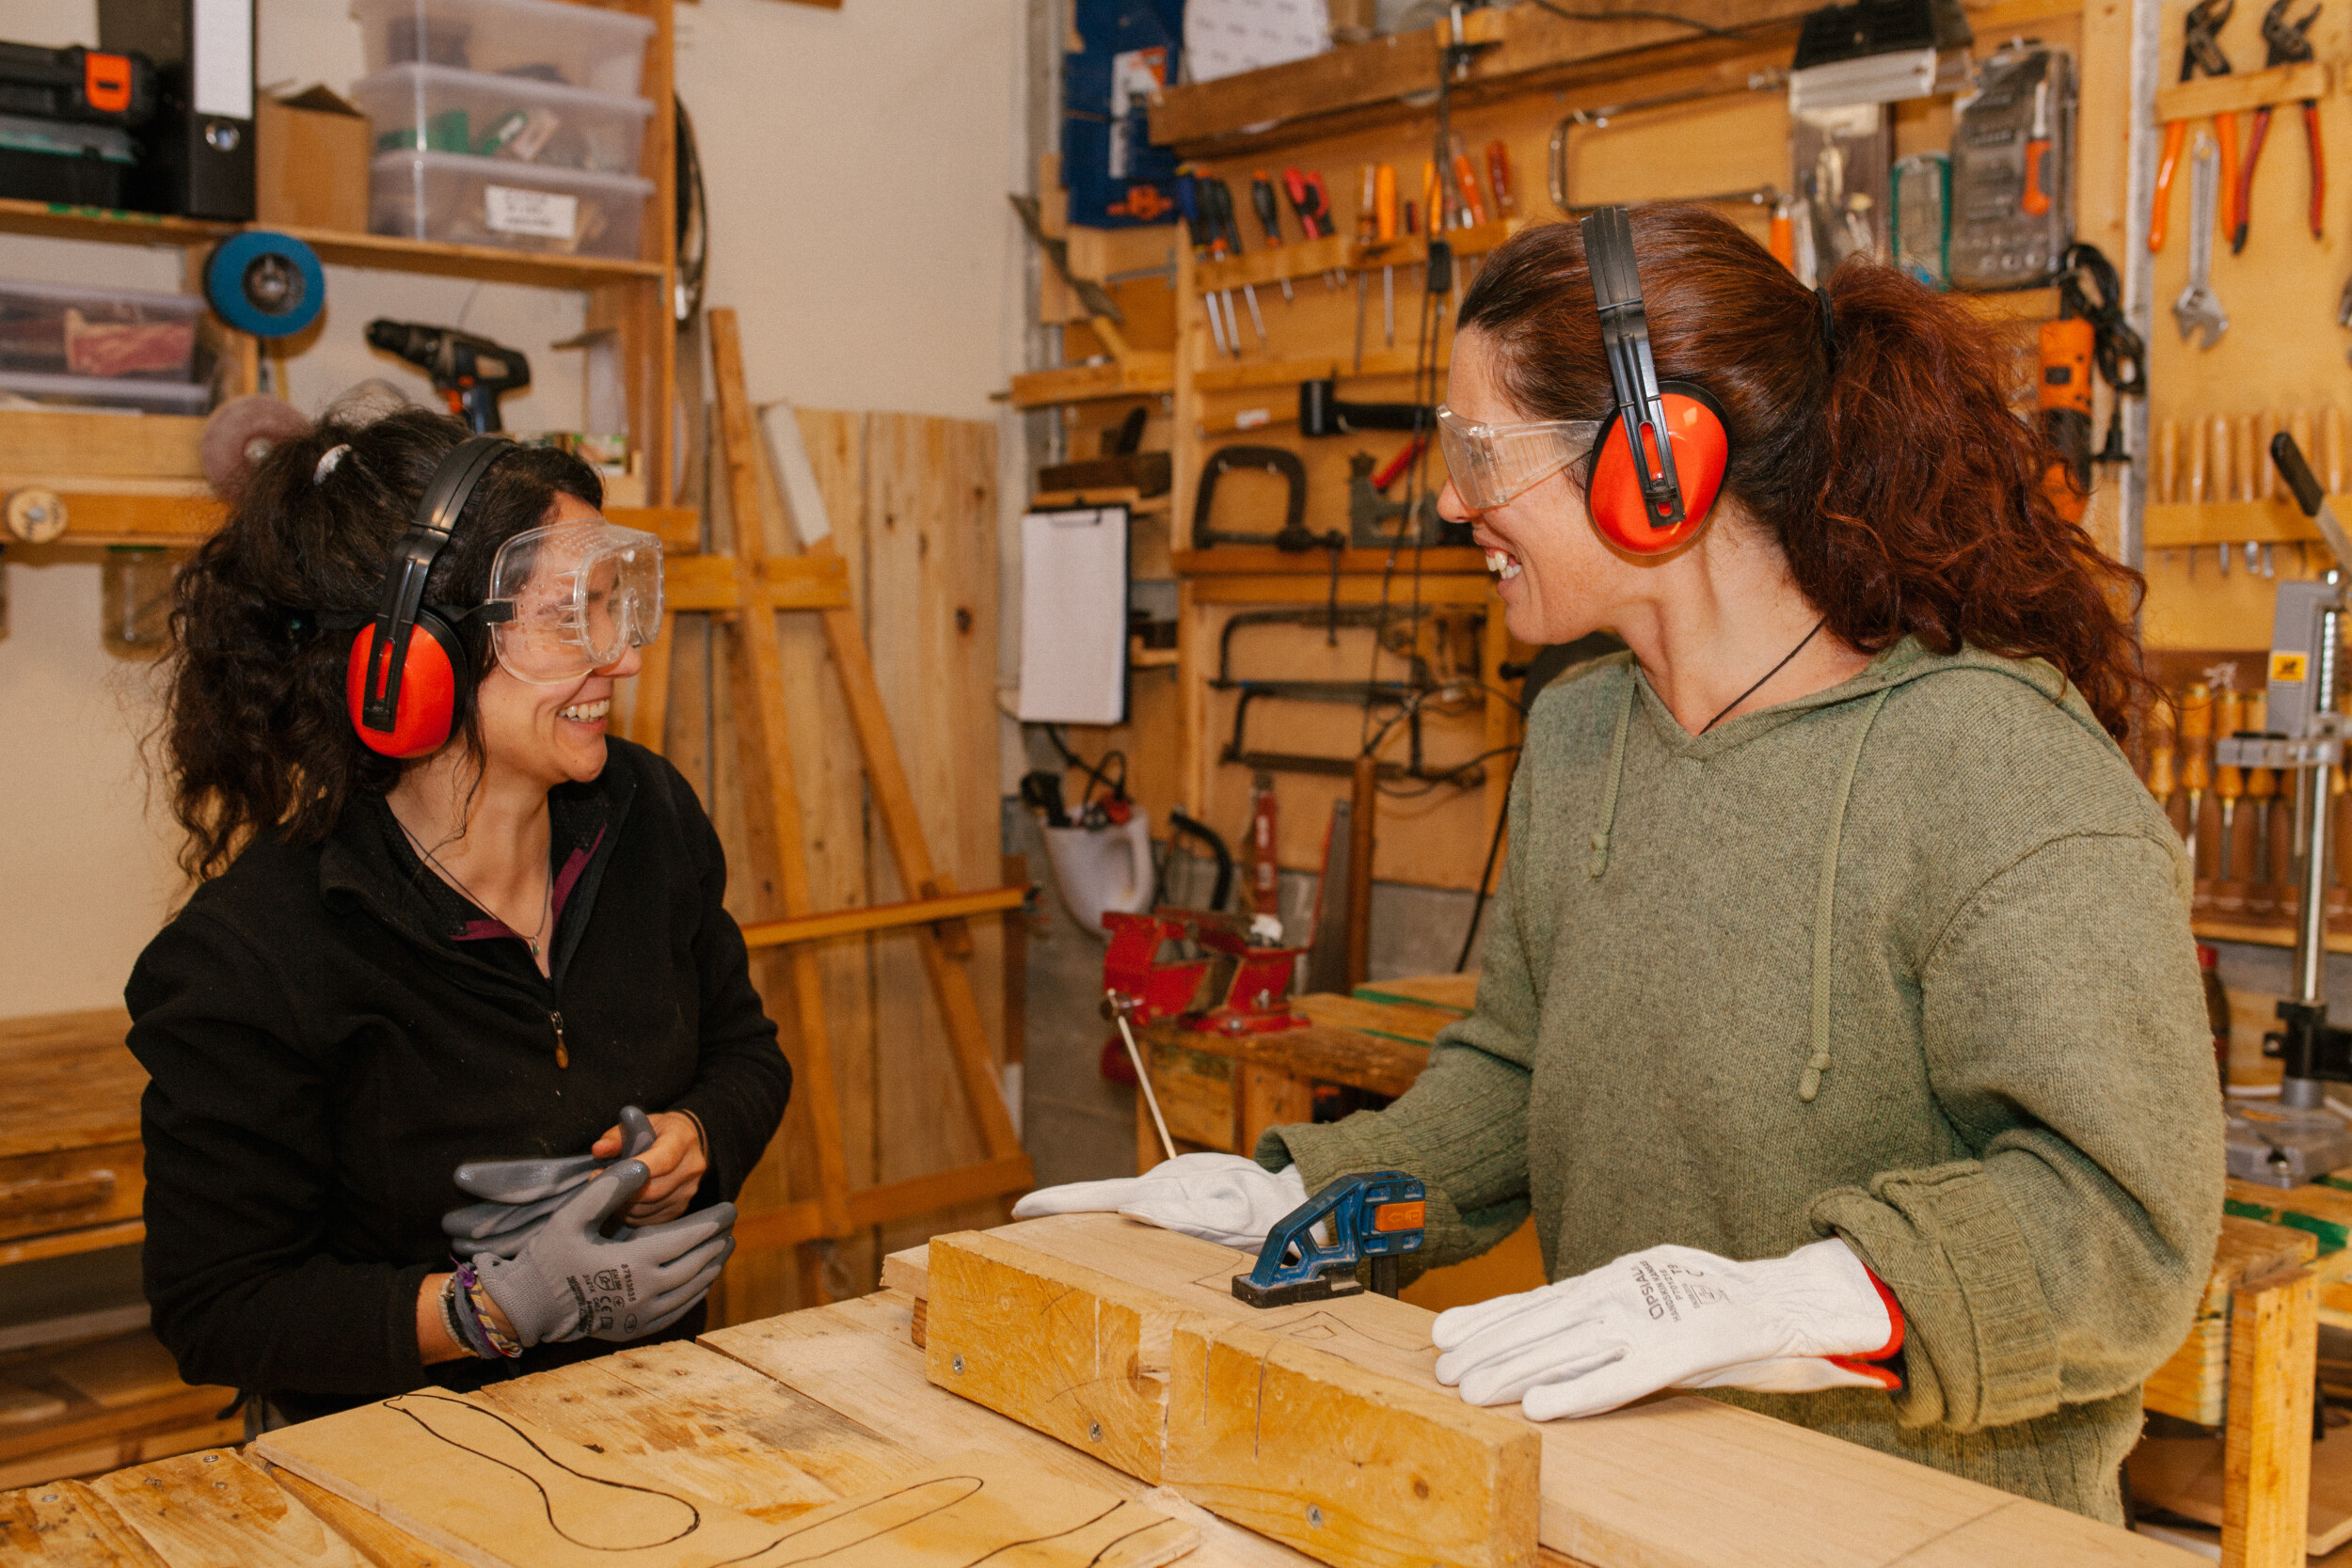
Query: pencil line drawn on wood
point(601, 1520)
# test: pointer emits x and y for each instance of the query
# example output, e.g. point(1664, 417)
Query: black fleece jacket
point(324, 1049)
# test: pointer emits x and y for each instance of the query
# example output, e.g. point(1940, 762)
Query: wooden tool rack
point(1370, 103)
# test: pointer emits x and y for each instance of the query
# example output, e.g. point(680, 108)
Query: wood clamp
point(1276, 461)
point(1375, 1216)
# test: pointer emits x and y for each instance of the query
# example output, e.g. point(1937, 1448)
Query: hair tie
point(328, 461)
point(1829, 328)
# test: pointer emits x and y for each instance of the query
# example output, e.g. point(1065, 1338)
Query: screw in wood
point(1094, 1431)
point(1314, 1516)
point(956, 1362)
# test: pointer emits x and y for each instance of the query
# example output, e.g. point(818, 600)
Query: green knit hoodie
point(1905, 961)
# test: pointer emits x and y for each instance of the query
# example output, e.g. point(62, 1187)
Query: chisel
point(1270, 219)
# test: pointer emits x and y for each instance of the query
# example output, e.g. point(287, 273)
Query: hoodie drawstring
point(1599, 861)
point(1810, 1084)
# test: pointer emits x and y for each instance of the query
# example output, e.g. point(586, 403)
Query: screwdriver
point(1466, 179)
point(1499, 176)
point(1313, 203)
point(1269, 220)
point(2163, 782)
point(2196, 732)
point(2228, 783)
point(1216, 209)
point(1384, 228)
point(2262, 787)
point(1367, 232)
point(1188, 204)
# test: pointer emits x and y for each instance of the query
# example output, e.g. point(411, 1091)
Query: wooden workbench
point(779, 1416)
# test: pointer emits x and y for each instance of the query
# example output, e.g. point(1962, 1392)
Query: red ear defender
point(1701, 450)
point(427, 709)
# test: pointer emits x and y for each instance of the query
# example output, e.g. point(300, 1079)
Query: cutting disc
point(270, 285)
point(240, 434)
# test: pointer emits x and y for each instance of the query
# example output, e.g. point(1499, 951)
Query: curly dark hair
point(256, 734)
point(1908, 498)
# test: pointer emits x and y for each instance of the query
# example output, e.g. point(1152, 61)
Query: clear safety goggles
point(1491, 462)
point(571, 598)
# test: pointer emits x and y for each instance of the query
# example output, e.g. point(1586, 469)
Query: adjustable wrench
point(2198, 310)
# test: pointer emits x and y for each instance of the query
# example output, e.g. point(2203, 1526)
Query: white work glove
point(1669, 1317)
point(1217, 1197)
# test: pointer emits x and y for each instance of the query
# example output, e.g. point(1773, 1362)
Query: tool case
point(63, 160)
point(91, 86)
point(2012, 170)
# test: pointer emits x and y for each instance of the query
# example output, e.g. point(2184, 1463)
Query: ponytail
point(1871, 434)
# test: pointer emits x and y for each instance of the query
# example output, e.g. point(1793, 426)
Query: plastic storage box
point(59, 330)
point(98, 392)
point(565, 45)
point(468, 200)
point(56, 159)
point(435, 109)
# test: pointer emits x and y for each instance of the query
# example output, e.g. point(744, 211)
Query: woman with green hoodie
point(1839, 1021)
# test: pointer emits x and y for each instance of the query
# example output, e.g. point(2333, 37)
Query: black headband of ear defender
point(437, 511)
point(1641, 409)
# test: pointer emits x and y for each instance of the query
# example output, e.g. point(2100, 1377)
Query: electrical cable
point(1696, 25)
point(1486, 876)
point(1096, 776)
point(2117, 350)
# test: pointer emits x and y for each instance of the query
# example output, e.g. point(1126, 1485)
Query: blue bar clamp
point(1375, 1217)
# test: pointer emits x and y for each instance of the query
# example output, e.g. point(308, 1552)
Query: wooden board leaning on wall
point(1731, 140)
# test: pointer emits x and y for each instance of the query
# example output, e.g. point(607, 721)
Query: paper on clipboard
point(1074, 616)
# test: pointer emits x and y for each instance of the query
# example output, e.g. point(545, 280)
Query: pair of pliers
point(2200, 55)
point(2288, 43)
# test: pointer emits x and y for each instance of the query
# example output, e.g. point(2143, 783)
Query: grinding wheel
point(36, 516)
point(241, 432)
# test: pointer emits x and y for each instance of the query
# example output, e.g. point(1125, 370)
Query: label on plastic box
point(510, 210)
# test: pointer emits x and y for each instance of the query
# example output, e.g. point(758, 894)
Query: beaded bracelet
point(469, 1336)
point(477, 1306)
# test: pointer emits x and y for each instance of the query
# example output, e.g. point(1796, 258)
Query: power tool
point(472, 373)
point(1375, 1217)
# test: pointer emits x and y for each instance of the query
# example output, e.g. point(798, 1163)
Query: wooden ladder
point(741, 592)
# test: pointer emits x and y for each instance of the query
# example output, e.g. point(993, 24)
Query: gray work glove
point(570, 1279)
point(518, 1194)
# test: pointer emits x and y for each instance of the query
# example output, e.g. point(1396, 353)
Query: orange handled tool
point(1467, 178)
point(2200, 55)
point(1384, 202)
point(1783, 238)
point(2037, 198)
point(2160, 211)
point(1499, 176)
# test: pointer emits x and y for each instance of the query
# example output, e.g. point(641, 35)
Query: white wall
point(857, 163)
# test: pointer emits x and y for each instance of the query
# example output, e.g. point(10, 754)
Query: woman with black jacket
point(410, 954)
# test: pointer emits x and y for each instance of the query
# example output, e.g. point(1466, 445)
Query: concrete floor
point(1080, 1127)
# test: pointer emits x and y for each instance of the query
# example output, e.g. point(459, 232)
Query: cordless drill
point(472, 373)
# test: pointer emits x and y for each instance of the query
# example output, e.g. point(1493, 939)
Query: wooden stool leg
point(1270, 1099)
point(2267, 1463)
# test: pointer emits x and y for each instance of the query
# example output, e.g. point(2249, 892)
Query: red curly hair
point(1906, 494)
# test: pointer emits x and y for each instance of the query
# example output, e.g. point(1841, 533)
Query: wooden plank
point(499, 1493)
point(1406, 1021)
point(1227, 561)
point(883, 917)
point(710, 1424)
point(2266, 1491)
point(1205, 116)
point(1315, 1054)
point(2184, 1474)
point(1073, 1353)
point(381, 1542)
point(1146, 373)
point(130, 1369)
point(60, 1243)
point(66, 1525)
point(767, 766)
point(1352, 1467)
point(2240, 91)
point(1271, 1098)
point(213, 1509)
point(976, 1507)
point(1455, 993)
point(649, 693)
point(2177, 525)
point(72, 1083)
point(101, 446)
point(1673, 1482)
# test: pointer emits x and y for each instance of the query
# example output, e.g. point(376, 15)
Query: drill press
point(2302, 1139)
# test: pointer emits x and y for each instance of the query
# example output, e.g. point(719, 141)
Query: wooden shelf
point(385, 252)
point(2174, 525)
point(1312, 258)
point(1148, 373)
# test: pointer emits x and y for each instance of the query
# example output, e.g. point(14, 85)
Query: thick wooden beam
point(1349, 1467)
point(2267, 1474)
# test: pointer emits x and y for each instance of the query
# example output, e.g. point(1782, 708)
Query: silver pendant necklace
point(547, 898)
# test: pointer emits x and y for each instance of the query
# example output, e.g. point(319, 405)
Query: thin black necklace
point(547, 896)
point(1768, 674)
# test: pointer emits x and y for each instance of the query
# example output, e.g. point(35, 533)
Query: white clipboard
point(1074, 616)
